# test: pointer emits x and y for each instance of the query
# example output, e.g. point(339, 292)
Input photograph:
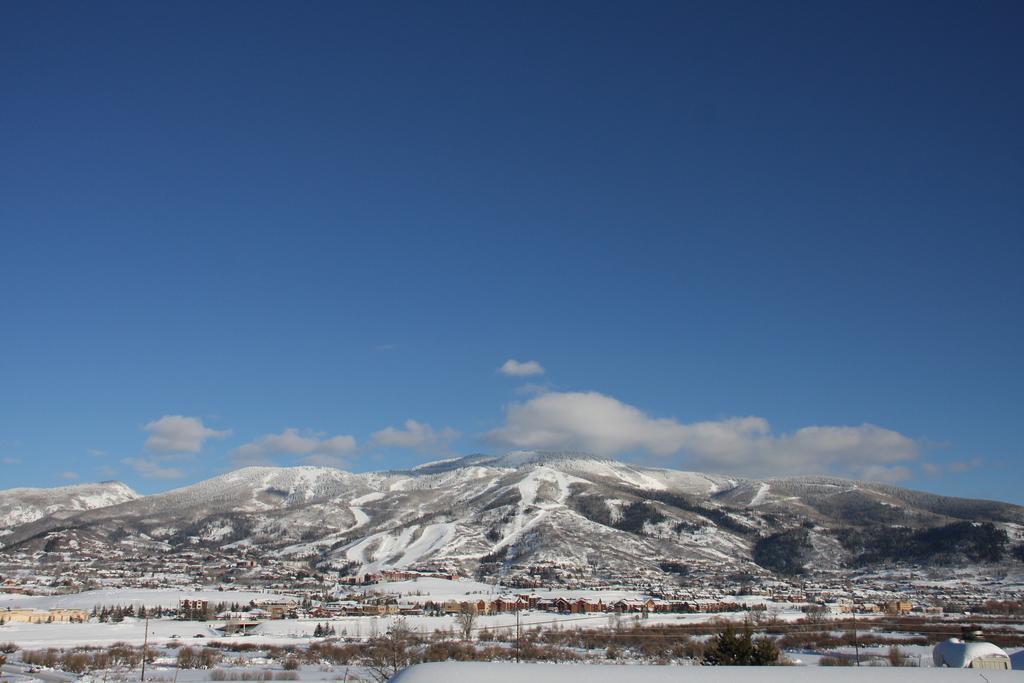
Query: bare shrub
point(449, 651)
point(187, 658)
point(386, 655)
point(48, 657)
point(232, 646)
point(466, 621)
point(75, 662)
point(123, 654)
point(898, 658)
point(248, 675)
point(208, 658)
point(332, 653)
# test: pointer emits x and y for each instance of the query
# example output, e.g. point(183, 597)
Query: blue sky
point(759, 238)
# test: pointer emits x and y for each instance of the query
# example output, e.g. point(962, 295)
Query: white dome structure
point(971, 654)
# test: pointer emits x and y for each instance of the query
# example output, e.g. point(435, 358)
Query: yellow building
point(898, 607)
point(41, 616)
point(69, 615)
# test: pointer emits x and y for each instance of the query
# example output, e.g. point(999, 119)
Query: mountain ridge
point(501, 516)
point(23, 505)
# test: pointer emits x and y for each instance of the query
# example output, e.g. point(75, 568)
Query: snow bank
point(958, 654)
point(457, 672)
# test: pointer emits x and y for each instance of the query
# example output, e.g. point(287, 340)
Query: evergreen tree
point(730, 648)
point(766, 652)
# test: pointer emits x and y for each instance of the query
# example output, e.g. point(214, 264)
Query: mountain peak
point(510, 460)
point(24, 505)
point(523, 458)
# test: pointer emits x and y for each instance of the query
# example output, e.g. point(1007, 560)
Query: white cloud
point(600, 424)
point(292, 442)
point(955, 467)
point(337, 445)
point(418, 436)
point(883, 473)
point(11, 461)
point(323, 460)
point(586, 421)
point(533, 389)
point(69, 476)
point(179, 434)
point(514, 368)
point(153, 468)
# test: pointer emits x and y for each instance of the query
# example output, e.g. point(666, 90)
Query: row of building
point(519, 603)
point(43, 616)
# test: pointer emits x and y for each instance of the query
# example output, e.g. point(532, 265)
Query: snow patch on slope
point(412, 544)
point(761, 495)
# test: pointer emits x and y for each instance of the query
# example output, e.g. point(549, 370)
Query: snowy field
point(439, 590)
point(296, 631)
point(418, 590)
point(299, 632)
point(168, 597)
point(164, 671)
point(466, 672)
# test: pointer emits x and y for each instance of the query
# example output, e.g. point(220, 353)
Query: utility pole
point(856, 642)
point(518, 633)
point(145, 643)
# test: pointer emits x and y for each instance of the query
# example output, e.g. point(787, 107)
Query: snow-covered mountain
point(24, 505)
point(529, 512)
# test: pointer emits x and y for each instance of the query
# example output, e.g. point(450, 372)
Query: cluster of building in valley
point(322, 593)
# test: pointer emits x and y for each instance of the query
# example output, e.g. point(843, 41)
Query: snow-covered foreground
point(299, 632)
point(32, 636)
point(459, 672)
point(164, 671)
point(296, 631)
